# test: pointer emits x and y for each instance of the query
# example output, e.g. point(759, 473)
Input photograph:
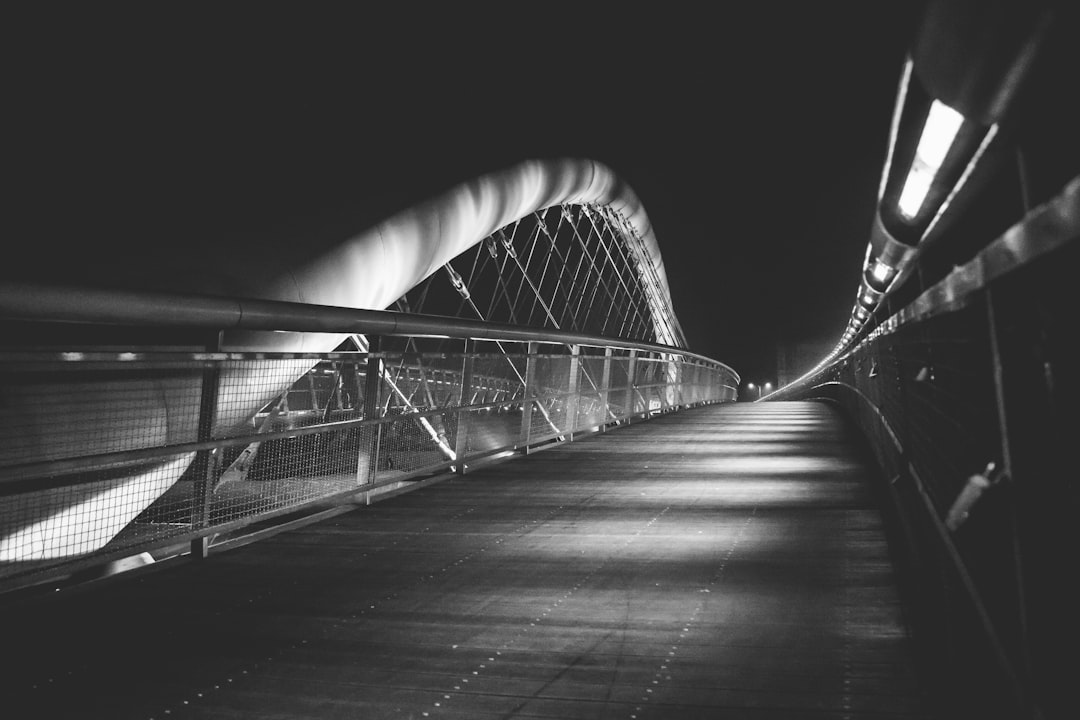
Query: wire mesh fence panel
point(64, 409)
point(288, 473)
point(410, 442)
point(500, 377)
point(51, 525)
point(548, 419)
point(108, 454)
point(703, 388)
point(590, 412)
point(690, 389)
point(418, 382)
point(246, 386)
point(551, 389)
point(593, 382)
point(619, 398)
point(492, 429)
point(552, 375)
point(652, 383)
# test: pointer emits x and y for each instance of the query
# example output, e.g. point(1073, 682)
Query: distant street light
point(767, 387)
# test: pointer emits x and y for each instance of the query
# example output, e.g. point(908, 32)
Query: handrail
point(941, 532)
point(138, 448)
point(71, 304)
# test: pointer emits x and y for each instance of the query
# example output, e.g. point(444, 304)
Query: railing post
point(631, 384)
point(461, 439)
point(572, 403)
point(530, 391)
point(372, 410)
point(204, 467)
point(605, 390)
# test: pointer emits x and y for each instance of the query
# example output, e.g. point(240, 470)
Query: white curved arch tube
point(370, 270)
point(374, 268)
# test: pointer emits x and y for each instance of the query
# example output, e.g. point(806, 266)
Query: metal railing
point(110, 452)
point(966, 400)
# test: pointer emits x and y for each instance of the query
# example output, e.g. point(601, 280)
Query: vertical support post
point(204, 466)
point(605, 390)
point(461, 439)
point(572, 403)
point(372, 410)
point(631, 384)
point(529, 396)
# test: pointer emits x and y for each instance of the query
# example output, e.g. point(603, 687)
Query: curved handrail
point(65, 304)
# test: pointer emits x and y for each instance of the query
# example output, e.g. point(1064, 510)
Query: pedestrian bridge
point(463, 463)
point(446, 517)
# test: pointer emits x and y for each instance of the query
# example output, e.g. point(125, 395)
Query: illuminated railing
point(954, 117)
point(192, 447)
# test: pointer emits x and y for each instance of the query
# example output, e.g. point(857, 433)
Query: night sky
point(754, 136)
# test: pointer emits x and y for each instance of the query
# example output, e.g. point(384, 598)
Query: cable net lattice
point(570, 267)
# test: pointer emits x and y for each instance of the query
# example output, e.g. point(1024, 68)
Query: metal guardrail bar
point(65, 304)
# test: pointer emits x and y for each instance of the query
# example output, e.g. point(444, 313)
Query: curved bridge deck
point(720, 562)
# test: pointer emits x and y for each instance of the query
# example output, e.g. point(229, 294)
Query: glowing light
point(882, 273)
point(942, 124)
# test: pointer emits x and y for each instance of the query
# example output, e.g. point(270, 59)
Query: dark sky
point(754, 136)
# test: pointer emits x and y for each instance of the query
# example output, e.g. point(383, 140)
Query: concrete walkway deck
point(723, 562)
